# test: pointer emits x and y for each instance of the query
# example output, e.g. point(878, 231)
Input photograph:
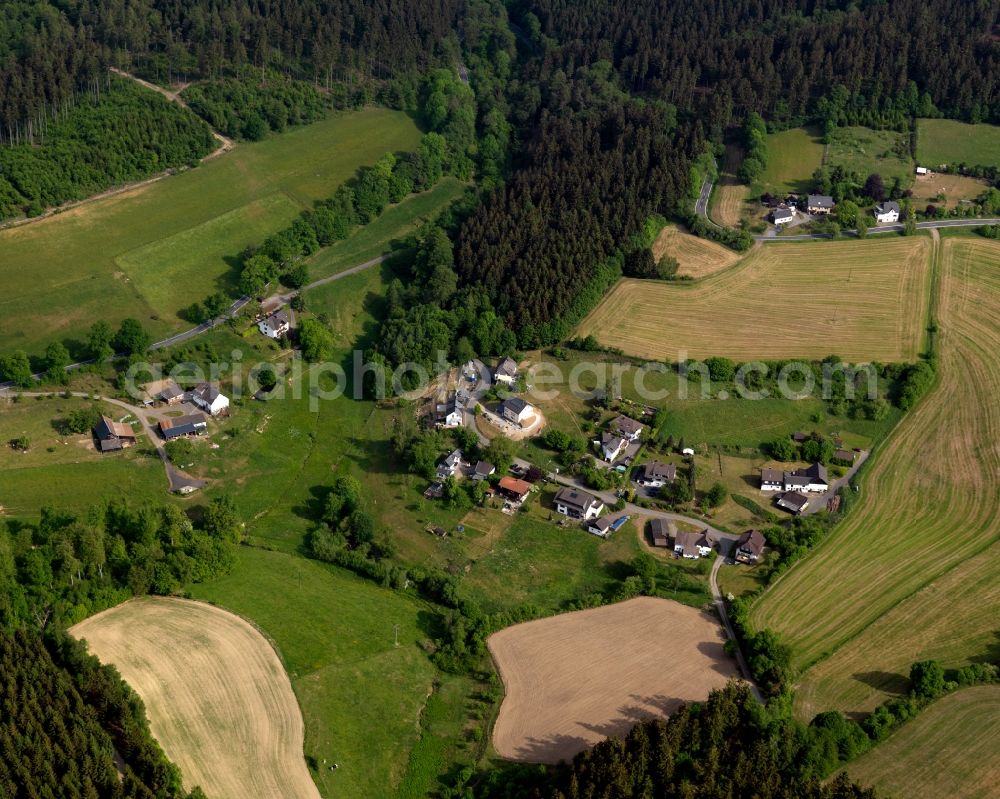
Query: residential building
point(793, 501)
point(846, 456)
point(782, 216)
point(693, 545)
point(819, 204)
point(112, 436)
point(772, 480)
point(450, 414)
point(516, 411)
point(514, 489)
point(749, 546)
point(662, 532)
point(450, 465)
point(505, 372)
point(886, 213)
point(192, 424)
point(612, 446)
point(276, 324)
point(604, 526)
point(171, 393)
point(578, 504)
point(812, 478)
point(207, 397)
point(483, 470)
point(656, 474)
point(627, 428)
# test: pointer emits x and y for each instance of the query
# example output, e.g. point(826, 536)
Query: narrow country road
point(720, 608)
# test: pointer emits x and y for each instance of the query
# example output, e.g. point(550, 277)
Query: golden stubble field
point(572, 680)
point(695, 257)
point(731, 196)
point(862, 300)
point(914, 571)
point(218, 699)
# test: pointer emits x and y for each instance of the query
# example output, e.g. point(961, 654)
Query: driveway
point(836, 485)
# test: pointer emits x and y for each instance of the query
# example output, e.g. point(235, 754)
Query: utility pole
point(395, 634)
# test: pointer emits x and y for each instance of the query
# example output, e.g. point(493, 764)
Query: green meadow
point(152, 251)
point(948, 141)
point(792, 157)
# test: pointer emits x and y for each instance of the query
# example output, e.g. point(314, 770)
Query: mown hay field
point(729, 199)
point(949, 750)
point(863, 300)
point(696, 257)
point(572, 680)
point(914, 571)
point(218, 700)
point(153, 251)
point(948, 141)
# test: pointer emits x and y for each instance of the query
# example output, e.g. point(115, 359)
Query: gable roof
point(663, 528)
point(655, 469)
point(170, 391)
point(794, 500)
point(513, 485)
point(207, 392)
point(453, 459)
point(752, 541)
point(783, 213)
point(278, 319)
point(887, 207)
point(514, 404)
point(572, 498)
point(108, 429)
point(507, 367)
point(611, 440)
point(819, 201)
point(772, 476)
point(816, 471)
point(485, 468)
point(623, 424)
point(182, 425)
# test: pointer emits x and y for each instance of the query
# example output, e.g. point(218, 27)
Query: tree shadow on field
point(992, 654)
point(887, 681)
point(551, 749)
point(715, 650)
point(752, 480)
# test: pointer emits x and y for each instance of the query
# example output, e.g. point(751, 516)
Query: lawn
point(362, 696)
point(863, 300)
point(947, 141)
point(913, 571)
point(865, 151)
point(173, 237)
point(949, 750)
point(792, 157)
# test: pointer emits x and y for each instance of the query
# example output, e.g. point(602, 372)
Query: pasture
point(913, 572)
point(927, 189)
point(863, 300)
point(948, 141)
point(792, 157)
point(152, 251)
point(215, 691)
point(949, 750)
point(730, 196)
point(696, 257)
point(575, 679)
point(864, 150)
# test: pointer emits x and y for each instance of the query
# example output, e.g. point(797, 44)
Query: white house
point(276, 325)
point(772, 480)
point(207, 397)
point(505, 372)
point(886, 213)
point(782, 216)
point(516, 411)
point(612, 446)
point(449, 466)
point(606, 525)
point(578, 504)
point(692, 545)
point(450, 414)
point(656, 474)
point(812, 478)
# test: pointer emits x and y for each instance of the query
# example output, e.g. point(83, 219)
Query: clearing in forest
point(949, 750)
point(729, 200)
point(218, 699)
point(914, 571)
point(696, 257)
point(792, 157)
point(863, 300)
point(572, 680)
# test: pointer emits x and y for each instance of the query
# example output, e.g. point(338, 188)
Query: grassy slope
point(947, 141)
point(106, 259)
point(792, 157)
point(913, 572)
point(865, 151)
point(949, 750)
point(854, 298)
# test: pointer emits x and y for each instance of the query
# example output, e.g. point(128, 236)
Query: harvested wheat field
point(863, 300)
point(949, 750)
point(696, 257)
point(573, 680)
point(729, 200)
point(914, 571)
point(218, 700)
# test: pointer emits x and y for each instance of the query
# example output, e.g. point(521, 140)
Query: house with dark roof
point(819, 204)
point(604, 526)
point(516, 411)
point(449, 414)
point(845, 456)
point(171, 393)
point(662, 532)
point(655, 474)
point(208, 397)
point(112, 436)
point(627, 428)
point(612, 446)
point(578, 504)
point(276, 324)
point(793, 501)
point(782, 215)
point(193, 424)
point(886, 213)
point(692, 545)
point(812, 478)
point(483, 471)
point(450, 465)
point(749, 546)
point(772, 480)
point(505, 372)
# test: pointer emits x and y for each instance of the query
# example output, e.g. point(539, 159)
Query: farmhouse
point(514, 489)
point(749, 546)
point(612, 445)
point(772, 480)
point(606, 525)
point(627, 428)
point(819, 204)
point(483, 470)
point(193, 424)
point(171, 393)
point(847, 456)
point(275, 325)
point(515, 410)
point(578, 504)
point(505, 372)
point(450, 413)
point(113, 436)
point(692, 545)
point(782, 216)
point(793, 501)
point(656, 474)
point(887, 212)
point(812, 478)
point(207, 397)
point(661, 531)
point(449, 466)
